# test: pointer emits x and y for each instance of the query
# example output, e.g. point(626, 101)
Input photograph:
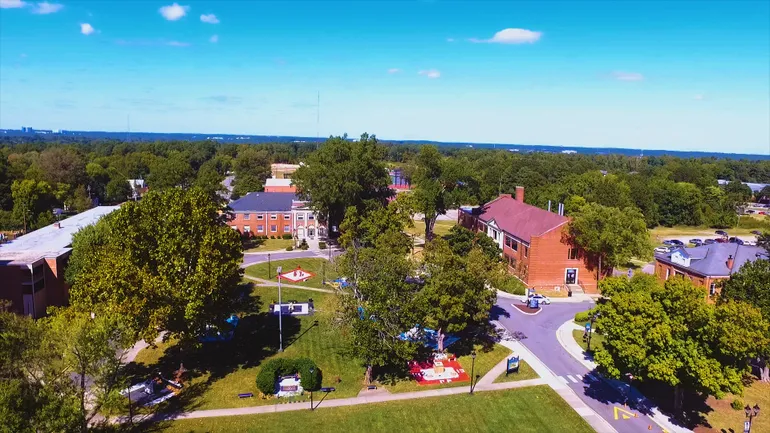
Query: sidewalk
point(578, 298)
point(266, 283)
point(568, 343)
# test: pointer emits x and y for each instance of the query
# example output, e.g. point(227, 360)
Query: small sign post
point(513, 364)
point(746, 426)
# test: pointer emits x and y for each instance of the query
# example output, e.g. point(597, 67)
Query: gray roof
point(755, 187)
point(264, 202)
point(711, 260)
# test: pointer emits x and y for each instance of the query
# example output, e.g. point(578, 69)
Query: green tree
point(438, 185)
point(168, 262)
point(172, 172)
point(750, 285)
point(252, 167)
point(27, 200)
point(118, 190)
point(62, 165)
point(670, 334)
point(610, 236)
point(461, 241)
point(344, 173)
point(382, 227)
point(740, 191)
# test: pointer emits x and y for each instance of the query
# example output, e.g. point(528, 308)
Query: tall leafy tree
point(461, 241)
point(750, 284)
point(172, 172)
point(168, 262)
point(610, 236)
point(438, 185)
point(670, 334)
point(344, 173)
point(252, 167)
point(28, 196)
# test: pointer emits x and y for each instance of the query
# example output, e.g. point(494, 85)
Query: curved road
point(538, 333)
point(254, 258)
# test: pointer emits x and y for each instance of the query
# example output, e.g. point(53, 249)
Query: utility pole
point(279, 269)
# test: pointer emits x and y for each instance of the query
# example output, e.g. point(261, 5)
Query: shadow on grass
point(255, 339)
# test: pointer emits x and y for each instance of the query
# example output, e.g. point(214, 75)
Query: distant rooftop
point(277, 182)
point(50, 241)
point(264, 201)
point(711, 260)
point(755, 187)
point(518, 218)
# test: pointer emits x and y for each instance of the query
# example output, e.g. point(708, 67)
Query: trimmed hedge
point(290, 248)
point(583, 316)
point(737, 404)
point(322, 245)
point(303, 245)
point(274, 368)
point(287, 236)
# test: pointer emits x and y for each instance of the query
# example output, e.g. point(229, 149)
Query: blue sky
point(651, 75)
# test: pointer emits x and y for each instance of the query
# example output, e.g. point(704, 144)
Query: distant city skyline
point(684, 76)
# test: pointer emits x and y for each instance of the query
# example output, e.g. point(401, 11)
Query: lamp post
point(323, 271)
point(751, 413)
point(590, 332)
point(312, 370)
point(473, 366)
point(279, 269)
point(268, 266)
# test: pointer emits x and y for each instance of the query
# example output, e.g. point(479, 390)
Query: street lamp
point(268, 266)
point(312, 370)
point(751, 413)
point(279, 269)
point(473, 366)
point(590, 332)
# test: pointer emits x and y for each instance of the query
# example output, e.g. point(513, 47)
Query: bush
point(303, 245)
point(286, 236)
point(290, 248)
point(583, 316)
point(272, 369)
point(737, 404)
point(322, 245)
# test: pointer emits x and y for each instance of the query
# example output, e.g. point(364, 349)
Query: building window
point(668, 273)
point(286, 228)
point(273, 216)
point(310, 216)
point(260, 228)
point(287, 216)
point(508, 241)
point(234, 227)
point(247, 229)
point(526, 251)
point(273, 228)
point(246, 216)
point(495, 234)
point(713, 289)
point(300, 217)
point(260, 217)
point(572, 254)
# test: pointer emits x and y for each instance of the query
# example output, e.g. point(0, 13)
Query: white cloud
point(699, 97)
point(394, 70)
point(46, 8)
point(511, 36)
point(23, 55)
point(86, 29)
point(214, 39)
point(177, 44)
point(430, 73)
point(627, 76)
point(173, 12)
point(210, 18)
point(450, 39)
point(12, 4)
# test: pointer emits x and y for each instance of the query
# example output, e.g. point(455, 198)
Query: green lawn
point(485, 360)
point(440, 228)
point(258, 245)
point(219, 371)
point(535, 409)
point(525, 372)
point(725, 418)
point(316, 266)
point(596, 340)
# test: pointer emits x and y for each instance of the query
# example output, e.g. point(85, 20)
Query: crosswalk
point(577, 378)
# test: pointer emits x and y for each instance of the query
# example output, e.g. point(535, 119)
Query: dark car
point(696, 241)
point(720, 233)
point(735, 240)
point(709, 241)
point(756, 232)
point(721, 240)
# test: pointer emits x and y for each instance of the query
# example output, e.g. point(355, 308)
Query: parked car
point(709, 241)
point(673, 242)
point(750, 211)
point(735, 240)
point(721, 240)
point(542, 299)
point(756, 232)
point(661, 250)
point(696, 241)
point(720, 233)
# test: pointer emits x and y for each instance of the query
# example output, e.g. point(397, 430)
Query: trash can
point(569, 293)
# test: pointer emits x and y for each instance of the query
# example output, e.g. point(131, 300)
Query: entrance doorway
point(571, 276)
point(311, 232)
point(300, 233)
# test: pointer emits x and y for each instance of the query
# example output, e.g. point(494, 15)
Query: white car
point(661, 250)
point(540, 298)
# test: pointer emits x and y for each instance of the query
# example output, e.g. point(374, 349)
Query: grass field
point(525, 372)
point(596, 340)
point(527, 410)
point(316, 266)
point(440, 228)
point(268, 245)
point(725, 418)
point(485, 360)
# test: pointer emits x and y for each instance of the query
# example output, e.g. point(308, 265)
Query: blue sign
point(630, 273)
point(513, 363)
point(588, 327)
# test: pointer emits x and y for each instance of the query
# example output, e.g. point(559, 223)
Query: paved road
point(252, 258)
point(538, 334)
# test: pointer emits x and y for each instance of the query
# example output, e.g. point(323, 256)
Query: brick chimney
point(520, 193)
point(730, 262)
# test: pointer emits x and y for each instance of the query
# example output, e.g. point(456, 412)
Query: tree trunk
point(599, 270)
point(84, 421)
point(429, 224)
point(764, 370)
point(677, 399)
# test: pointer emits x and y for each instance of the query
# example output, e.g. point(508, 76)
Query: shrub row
point(277, 367)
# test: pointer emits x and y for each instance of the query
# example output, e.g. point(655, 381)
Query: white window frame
point(274, 228)
point(287, 216)
point(273, 216)
point(260, 217)
point(246, 216)
point(260, 228)
point(247, 229)
point(287, 228)
point(300, 217)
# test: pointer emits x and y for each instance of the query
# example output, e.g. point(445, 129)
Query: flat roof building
point(32, 266)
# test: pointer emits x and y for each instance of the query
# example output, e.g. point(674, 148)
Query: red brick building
point(533, 242)
point(275, 214)
point(32, 266)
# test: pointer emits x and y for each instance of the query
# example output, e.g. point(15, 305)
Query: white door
point(28, 305)
point(300, 232)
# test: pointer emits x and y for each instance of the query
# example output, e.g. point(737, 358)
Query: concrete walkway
point(576, 299)
point(567, 341)
point(267, 283)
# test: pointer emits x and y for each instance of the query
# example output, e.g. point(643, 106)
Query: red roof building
point(533, 242)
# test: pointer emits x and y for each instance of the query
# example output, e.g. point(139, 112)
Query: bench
point(245, 395)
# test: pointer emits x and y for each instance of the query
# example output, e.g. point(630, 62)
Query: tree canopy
point(168, 262)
